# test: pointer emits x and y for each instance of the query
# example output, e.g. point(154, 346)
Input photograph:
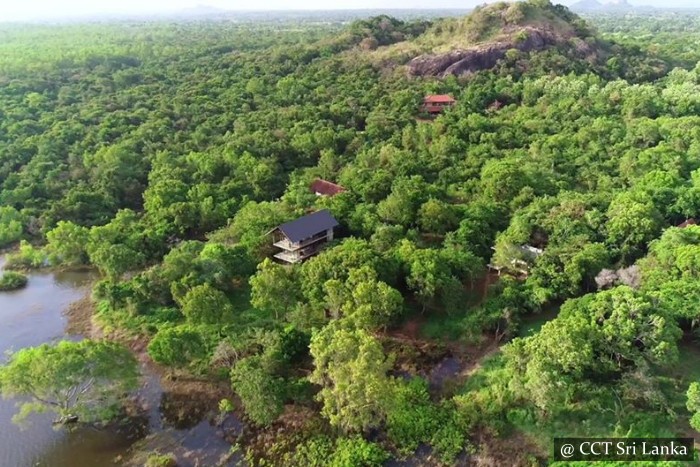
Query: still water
point(35, 315)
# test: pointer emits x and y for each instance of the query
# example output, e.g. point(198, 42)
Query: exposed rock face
point(467, 61)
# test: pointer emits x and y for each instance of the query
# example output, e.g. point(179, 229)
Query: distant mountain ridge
point(585, 5)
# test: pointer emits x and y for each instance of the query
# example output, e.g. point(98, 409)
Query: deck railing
point(289, 246)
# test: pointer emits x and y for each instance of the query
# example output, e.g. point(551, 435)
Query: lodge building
point(303, 238)
point(437, 103)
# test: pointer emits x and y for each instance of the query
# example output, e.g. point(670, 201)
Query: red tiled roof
point(438, 98)
point(325, 187)
point(688, 223)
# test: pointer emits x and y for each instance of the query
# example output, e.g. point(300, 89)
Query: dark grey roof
point(308, 226)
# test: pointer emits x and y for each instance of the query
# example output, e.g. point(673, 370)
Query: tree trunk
point(66, 420)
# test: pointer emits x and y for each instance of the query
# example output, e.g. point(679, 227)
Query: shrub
point(313, 453)
point(343, 452)
point(357, 452)
point(261, 392)
point(693, 404)
point(206, 305)
point(178, 346)
point(11, 225)
point(412, 419)
point(448, 442)
point(161, 460)
point(27, 257)
point(12, 281)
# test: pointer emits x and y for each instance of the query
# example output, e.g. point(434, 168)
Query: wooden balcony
point(299, 255)
point(286, 245)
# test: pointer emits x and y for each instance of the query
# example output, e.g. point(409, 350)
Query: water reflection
point(35, 315)
point(29, 317)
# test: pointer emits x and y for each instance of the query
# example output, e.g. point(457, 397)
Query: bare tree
point(630, 276)
point(606, 278)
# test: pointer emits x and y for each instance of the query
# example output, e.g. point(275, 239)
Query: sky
point(21, 10)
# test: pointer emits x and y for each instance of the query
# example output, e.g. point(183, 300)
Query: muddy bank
point(79, 317)
point(445, 366)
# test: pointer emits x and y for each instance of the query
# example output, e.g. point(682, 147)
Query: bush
point(357, 452)
point(178, 346)
point(67, 244)
point(27, 257)
point(11, 225)
point(12, 281)
point(343, 452)
point(448, 442)
point(161, 460)
point(206, 305)
point(261, 392)
point(412, 418)
point(313, 453)
point(693, 404)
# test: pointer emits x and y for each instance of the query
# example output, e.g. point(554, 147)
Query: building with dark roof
point(304, 237)
point(436, 103)
point(325, 188)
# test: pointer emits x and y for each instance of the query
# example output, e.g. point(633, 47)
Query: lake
point(35, 315)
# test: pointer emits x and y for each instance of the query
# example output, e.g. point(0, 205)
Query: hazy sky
point(31, 9)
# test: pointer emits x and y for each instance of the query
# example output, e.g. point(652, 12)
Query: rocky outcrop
point(483, 57)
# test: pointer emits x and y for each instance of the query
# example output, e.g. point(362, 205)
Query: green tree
point(632, 224)
point(261, 393)
point(401, 206)
point(351, 368)
point(67, 244)
point(206, 305)
point(364, 300)
point(693, 404)
point(177, 346)
point(274, 288)
point(502, 180)
point(11, 225)
point(336, 263)
point(115, 260)
point(429, 273)
point(250, 224)
point(412, 418)
point(437, 217)
point(224, 265)
point(27, 257)
point(84, 379)
point(598, 337)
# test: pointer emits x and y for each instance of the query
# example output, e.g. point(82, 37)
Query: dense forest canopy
point(162, 154)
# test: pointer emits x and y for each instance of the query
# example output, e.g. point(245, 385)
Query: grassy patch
point(452, 327)
point(531, 324)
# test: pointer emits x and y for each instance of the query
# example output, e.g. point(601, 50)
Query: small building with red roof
point(436, 103)
point(687, 223)
point(325, 188)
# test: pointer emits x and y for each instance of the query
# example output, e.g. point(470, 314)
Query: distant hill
point(618, 5)
point(459, 46)
point(586, 5)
